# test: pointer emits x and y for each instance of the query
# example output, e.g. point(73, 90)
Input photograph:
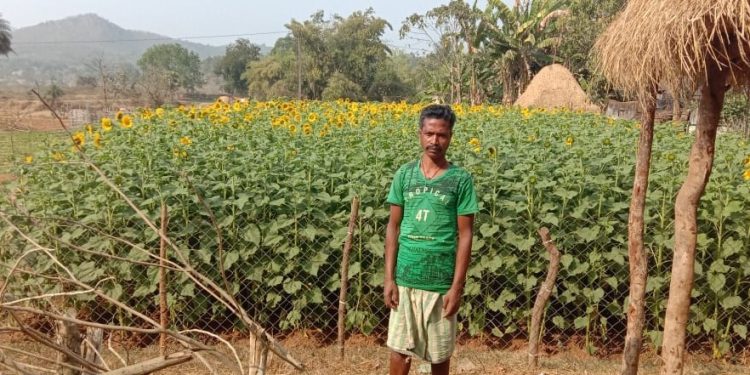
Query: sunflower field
point(270, 184)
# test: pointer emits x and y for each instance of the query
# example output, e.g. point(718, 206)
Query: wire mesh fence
point(282, 265)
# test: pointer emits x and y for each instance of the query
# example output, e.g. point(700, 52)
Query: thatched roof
point(671, 42)
point(555, 87)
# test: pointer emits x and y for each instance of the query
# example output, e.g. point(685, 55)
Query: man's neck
point(431, 163)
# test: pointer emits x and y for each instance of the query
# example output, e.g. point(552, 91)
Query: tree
point(317, 49)
point(5, 36)
point(520, 40)
point(355, 47)
point(340, 87)
point(587, 20)
point(388, 85)
point(234, 63)
point(454, 32)
point(275, 74)
point(181, 66)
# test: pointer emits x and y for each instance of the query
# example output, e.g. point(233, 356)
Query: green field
point(278, 178)
point(16, 145)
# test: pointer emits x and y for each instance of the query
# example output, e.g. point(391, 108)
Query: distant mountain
point(60, 49)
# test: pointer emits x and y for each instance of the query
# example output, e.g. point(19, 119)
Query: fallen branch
point(152, 365)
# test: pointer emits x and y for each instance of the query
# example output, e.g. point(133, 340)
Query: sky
point(192, 18)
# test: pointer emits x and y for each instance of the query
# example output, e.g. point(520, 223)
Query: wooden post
point(637, 257)
point(543, 296)
point(92, 347)
point(258, 355)
point(68, 337)
point(685, 218)
point(345, 274)
point(163, 310)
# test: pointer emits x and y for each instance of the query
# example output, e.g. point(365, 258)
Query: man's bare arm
point(463, 256)
point(391, 251)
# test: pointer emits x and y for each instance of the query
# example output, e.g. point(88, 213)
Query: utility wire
point(146, 39)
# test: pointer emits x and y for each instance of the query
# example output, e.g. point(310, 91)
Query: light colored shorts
point(417, 326)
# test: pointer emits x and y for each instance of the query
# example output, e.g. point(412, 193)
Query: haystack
point(555, 87)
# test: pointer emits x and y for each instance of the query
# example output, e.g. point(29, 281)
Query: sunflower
point(79, 139)
point(126, 122)
point(90, 129)
point(29, 159)
point(106, 124)
point(312, 117)
point(58, 156)
point(97, 140)
point(186, 141)
point(293, 129)
point(307, 129)
point(119, 115)
point(746, 162)
point(569, 140)
point(160, 112)
point(746, 175)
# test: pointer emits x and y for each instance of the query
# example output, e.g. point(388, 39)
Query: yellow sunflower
point(746, 175)
point(97, 140)
point(79, 139)
point(106, 124)
point(186, 141)
point(29, 159)
point(569, 140)
point(126, 122)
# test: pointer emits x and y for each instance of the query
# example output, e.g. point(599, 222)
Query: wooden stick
point(163, 311)
point(543, 296)
point(345, 274)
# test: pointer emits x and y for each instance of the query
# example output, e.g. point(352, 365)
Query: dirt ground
point(366, 355)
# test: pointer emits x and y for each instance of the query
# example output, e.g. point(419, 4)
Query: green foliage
point(317, 50)
point(233, 64)
point(279, 177)
point(578, 33)
point(340, 87)
point(181, 67)
point(53, 93)
point(5, 37)
point(520, 40)
point(736, 107)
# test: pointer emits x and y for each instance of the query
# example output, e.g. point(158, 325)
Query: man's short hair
point(437, 111)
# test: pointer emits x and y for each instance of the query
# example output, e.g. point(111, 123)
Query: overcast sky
point(192, 18)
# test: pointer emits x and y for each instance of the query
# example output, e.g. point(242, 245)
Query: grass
point(15, 145)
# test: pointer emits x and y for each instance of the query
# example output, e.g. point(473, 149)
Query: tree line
point(470, 54)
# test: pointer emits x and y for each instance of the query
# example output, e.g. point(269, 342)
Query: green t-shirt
point(427, 240)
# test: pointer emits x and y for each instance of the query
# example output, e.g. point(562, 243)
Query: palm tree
point(518, 40)
point(4, 37)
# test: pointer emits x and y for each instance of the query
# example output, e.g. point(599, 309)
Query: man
point(431, 201)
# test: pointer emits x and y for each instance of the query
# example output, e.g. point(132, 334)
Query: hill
point(59, 50)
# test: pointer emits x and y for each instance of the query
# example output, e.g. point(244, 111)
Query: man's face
point(435, 137)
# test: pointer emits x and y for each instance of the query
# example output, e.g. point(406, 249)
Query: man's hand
point(451, 302)
point(391, 295)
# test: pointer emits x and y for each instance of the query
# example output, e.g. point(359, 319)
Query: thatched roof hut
point(684, 44)
point(672, 41)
